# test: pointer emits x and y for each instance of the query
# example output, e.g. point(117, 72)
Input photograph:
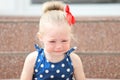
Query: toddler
point(54, 60)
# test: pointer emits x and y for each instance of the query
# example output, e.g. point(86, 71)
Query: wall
point(97, 39)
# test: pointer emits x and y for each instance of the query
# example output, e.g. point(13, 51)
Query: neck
point(54, 58)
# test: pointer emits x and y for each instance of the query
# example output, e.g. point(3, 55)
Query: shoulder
point(28, 67)
point(32, 54)
point(74, 56)
point(31, 57)
point(75, 59)
point(78, 67)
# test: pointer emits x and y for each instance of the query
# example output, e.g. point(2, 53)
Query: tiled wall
point(97, 39)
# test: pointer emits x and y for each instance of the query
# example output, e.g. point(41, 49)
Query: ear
point(39, 36)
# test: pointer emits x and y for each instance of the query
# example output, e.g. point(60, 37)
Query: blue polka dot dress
point(45, 70)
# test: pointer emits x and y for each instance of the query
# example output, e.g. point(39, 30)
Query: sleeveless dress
point(45, 70)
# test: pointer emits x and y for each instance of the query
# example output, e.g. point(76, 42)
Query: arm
point(78, 67)
point(28, 67)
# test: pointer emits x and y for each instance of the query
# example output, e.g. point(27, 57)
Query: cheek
point(67, 47)
point(48, 47)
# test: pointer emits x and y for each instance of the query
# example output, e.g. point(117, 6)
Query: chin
point(58, 53)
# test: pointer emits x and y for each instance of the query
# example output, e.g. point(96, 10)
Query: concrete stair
point(97, 39)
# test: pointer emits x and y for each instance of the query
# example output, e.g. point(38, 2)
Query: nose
point(58, 47)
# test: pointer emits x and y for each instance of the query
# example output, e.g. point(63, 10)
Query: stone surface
point(101, 66)
point(11, 66)
point(97, 39)
point(98, 36)
point(18, 34)
point(86, 79)
point(95, 65)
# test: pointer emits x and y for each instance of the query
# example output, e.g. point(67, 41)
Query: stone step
point(95, 65)
point(86, 79)
point(94, 34)
point(97, 39)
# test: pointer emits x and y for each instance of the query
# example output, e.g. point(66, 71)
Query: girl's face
point(56, 41)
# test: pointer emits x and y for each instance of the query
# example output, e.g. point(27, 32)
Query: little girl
point(55, 61)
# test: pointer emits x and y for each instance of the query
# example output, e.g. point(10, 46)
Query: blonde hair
point(53, 13)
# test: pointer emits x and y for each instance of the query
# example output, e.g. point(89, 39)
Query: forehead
point(60, 27)
point(57, 31)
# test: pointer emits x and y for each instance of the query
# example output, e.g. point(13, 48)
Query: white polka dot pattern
point(36, 70)
point(67, 79)
point(57, 71)
point(52, 76)
point(63, 65)
point(35, 79)
point(62, 76)
point(67, 59)
point(45, 70)
point(47, 61)
point(38, 60)
point(68, 70)
point(52, 66)
point(41, 76)
point(42, 65)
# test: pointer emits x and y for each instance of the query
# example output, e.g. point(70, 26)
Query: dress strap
point(68, 52)
point(40, 52)
point(38, 48)
point(71, 50)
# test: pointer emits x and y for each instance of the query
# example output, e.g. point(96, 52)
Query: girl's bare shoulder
point(31, 57)
point(74, 56)
point(28, 67)
point(32, 54)
point(75, 59)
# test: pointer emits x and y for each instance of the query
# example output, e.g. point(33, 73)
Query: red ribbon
point(69, 16)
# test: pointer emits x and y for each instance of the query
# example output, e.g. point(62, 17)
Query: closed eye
point(64, 40)
point(52, 41)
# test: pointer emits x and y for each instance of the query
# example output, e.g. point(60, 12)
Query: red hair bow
point(69, 16)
